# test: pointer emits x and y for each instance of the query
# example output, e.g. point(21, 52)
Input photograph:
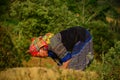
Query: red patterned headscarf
point(38, 43)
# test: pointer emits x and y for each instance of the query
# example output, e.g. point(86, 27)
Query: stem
point(83, 12)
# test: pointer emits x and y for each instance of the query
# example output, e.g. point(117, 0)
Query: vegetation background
point(20, 20)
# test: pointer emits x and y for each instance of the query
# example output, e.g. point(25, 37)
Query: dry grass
point(45, 69)
point(39, 73)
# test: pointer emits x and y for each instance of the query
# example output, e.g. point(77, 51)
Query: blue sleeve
point(57, 60)
point(66, 57)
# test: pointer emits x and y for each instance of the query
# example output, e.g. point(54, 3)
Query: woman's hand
point(65, 64)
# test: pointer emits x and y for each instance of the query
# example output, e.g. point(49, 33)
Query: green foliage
point(101, 37)
point(4, 6)
point(8, 52)
point(43, 17)
point(89, 10)
point(111, 64)
point(109, 69)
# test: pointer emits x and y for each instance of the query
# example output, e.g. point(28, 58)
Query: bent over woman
point(71, 48)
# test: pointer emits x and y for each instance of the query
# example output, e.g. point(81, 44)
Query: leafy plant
point(8, 53)
point(111, 63)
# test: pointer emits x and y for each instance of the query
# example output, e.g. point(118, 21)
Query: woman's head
point(43, 52)
point(39, 46)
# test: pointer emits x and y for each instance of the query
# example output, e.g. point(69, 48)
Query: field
point(35, 70)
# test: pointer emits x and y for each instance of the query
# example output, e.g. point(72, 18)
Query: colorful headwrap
point(40, 42)
point(47, 37)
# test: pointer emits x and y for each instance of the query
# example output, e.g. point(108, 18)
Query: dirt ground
point(39, 62)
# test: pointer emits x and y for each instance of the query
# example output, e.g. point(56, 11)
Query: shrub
point(111, 63)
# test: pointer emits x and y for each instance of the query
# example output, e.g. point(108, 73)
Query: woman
point(70, 48)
